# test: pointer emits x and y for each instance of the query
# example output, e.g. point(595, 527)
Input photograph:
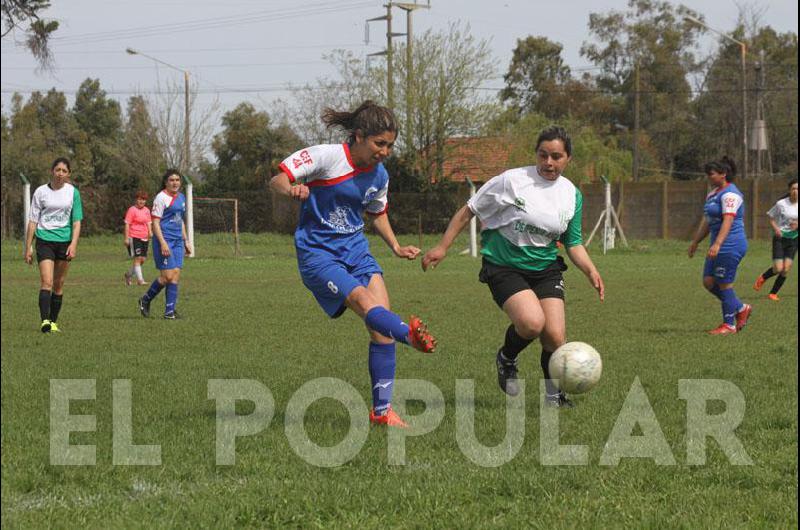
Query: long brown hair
point(368, 119)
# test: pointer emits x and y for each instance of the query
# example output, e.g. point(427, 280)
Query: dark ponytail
point(725, 166)
point(368, 119)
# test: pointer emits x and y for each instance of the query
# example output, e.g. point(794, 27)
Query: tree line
point(688, 111)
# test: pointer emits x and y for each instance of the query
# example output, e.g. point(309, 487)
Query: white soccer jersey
point(784, 213)
point(54, 211)
point(524, 214)
point(526, 208)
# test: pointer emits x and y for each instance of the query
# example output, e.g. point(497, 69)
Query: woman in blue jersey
point(723, 218)
point(783, 220)
point(336, 185)
point(169, 243)
point(525, 213)
point(55, 219)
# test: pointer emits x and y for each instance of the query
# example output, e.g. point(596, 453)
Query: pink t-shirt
point(137, 220)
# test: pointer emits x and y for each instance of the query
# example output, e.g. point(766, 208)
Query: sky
point(256, 50)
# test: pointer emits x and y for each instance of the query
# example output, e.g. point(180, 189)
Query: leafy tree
point(142, 155)
point(249, 149)
point(653, 35)
point(718, 108)
point(448, 67)
point(593, 154)
point(23, 15)
point(100, 119)
point(536, 68)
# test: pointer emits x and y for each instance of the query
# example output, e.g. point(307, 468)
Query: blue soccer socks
point(153, 291)
point(716, 291)
point(172, 298)
point(382, 364)
point(387, 324)
point(730, 306)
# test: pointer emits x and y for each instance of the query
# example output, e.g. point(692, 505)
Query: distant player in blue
point(169, 243)
point(724, 220)
point(336, 184)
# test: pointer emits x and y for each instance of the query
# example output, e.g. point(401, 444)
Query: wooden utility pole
point(409, 9)
point(636, 124)
point(186, 135)
point(388, 52)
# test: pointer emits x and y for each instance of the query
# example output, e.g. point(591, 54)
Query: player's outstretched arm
point(435, 255)
point(384, 229)
point(581, 259)
point(281, 184)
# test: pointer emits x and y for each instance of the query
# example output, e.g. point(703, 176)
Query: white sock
point(138, 271)
point(132, 270)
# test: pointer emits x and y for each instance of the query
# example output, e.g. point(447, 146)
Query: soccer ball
point(577, 366)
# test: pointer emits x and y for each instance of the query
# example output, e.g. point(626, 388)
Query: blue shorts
point(331, 281)
point(175, 258)
point(722, 268)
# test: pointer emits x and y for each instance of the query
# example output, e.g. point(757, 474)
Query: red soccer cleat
point(760, 281)
point(418, 336)
point(389, 418)
point(742, 316)
point(723, 329)
point(774, 297)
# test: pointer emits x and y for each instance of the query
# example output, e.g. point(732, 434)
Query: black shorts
point(783, 248)
point(52, 250)
point(138, 248)
point(507, 281)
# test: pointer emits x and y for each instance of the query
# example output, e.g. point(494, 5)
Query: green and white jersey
point(54, 211)
point(524, 214)
point(784, 213)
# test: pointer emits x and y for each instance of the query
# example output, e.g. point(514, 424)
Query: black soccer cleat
point(507, 375)
point(559, 400)
point(144, 307)
point(172, 315)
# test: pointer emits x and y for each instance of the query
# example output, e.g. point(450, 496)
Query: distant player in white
point(55, 220)
point(525, 212)
point(783, 220)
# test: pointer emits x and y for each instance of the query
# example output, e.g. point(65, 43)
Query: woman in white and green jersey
point(525, 212)
point(783, 220)
point(55, 220)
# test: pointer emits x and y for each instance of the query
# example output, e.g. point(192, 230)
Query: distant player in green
point(55, 220)
point(525, 213)
point(783, 220)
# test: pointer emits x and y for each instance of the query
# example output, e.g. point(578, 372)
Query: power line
point(238, 65)
point(606, 92)
point(25, 51)
point(214, 23)
point(281, 88)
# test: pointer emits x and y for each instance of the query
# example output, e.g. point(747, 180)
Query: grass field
point(252, 318)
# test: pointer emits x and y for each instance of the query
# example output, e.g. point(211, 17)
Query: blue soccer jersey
point(331, 218)
point(722, 202)
point(169, 210)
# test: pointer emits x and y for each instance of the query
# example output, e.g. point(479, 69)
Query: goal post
point(217, 215)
